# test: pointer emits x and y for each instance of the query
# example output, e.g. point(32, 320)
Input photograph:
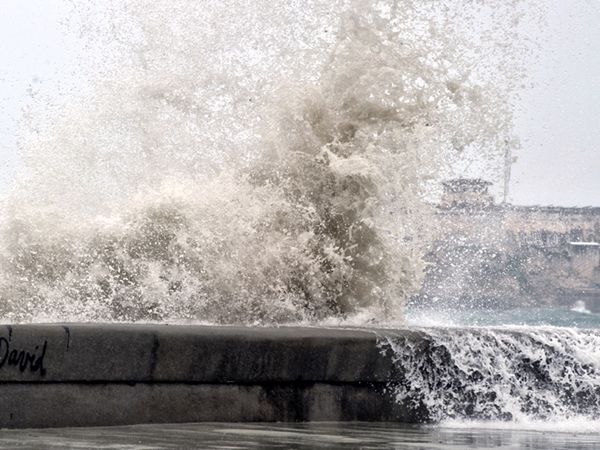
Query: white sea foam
point(524, 376)
point(253, 162)
point(576, 425)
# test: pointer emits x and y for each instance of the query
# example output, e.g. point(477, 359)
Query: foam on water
point(232, 162)
point(573, 425)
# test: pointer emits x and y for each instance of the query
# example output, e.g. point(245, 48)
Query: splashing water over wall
point(260, 164)
point(518, 374)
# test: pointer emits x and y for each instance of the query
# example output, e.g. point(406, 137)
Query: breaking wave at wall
point(252, 164)
point(510, 374)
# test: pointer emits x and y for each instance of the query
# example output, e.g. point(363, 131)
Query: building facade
point(489, 254)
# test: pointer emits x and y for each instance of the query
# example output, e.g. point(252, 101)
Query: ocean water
point(577, 317)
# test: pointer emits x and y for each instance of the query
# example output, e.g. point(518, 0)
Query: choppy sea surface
point(577, 317)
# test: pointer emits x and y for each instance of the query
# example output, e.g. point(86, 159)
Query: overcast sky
point(558, 120)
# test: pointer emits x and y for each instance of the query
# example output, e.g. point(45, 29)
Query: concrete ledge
point(73, 405)
point(96, 374)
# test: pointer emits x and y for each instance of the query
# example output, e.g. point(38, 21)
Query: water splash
point(251, 164)
point(514, 374)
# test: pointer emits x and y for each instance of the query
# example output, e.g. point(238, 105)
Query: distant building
point(503, 254)
point(466, 193)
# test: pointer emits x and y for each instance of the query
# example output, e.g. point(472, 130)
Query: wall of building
point(507, 255)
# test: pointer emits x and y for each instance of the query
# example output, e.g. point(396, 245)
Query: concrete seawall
point(94, 374)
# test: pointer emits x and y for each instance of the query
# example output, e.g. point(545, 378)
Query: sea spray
point(252, 164)
point(514, 374)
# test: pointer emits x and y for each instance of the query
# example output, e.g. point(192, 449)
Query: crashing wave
point(508, 374)
point(229, 168)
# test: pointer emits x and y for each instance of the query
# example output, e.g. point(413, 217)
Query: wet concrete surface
point(335, 435)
